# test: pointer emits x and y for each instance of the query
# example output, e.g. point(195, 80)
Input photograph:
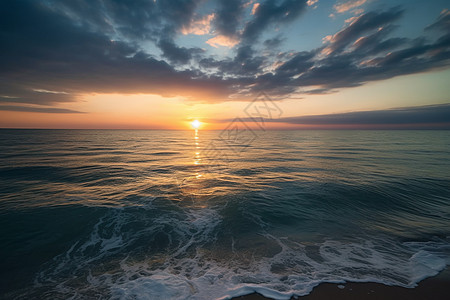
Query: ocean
point(142, 214)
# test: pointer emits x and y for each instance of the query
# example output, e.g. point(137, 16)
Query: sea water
point(122, 214)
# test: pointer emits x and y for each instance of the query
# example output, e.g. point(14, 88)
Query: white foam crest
point(200, 225)
point(190, 270)
point(424, 264)
point(202, 278)
point(429, 258)
point(161, 286)
point(108, 238)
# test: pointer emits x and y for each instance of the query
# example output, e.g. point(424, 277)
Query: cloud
point(55, 51)
point(442, 23)
point(222, 40)
point(273, 42)
point(436, 116)
point(350, 20)
point(358, 11)
point(255, 7)
point(361, 25)
point(232, 28)
point(16, 93)
point(50, 110)
point(200, 26)
point(298, 64)
point(228, 17)
point(44, 50)
point(361, 52)
point(131, 20)
point(430, 114)
point(348, 5)
point(175, 54)
point(269, 13)
point(134, 22)
point(242, 67)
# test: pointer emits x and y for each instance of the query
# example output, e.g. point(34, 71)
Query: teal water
point(121, 214)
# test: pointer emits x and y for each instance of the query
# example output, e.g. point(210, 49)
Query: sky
point(160, 64)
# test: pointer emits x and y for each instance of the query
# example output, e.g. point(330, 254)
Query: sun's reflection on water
point(192, 185)
point(197, 158)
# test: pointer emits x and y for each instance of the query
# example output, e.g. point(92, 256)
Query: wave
point(152, 215)
point(162, 251)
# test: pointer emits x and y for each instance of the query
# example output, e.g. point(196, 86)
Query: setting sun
point(196, 124)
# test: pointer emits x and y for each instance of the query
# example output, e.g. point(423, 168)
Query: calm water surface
point(118, 214)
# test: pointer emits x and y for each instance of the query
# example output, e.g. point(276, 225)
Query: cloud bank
point(428, 116)
point(79, 46)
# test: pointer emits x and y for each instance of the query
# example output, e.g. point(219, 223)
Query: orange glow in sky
point(149, 111)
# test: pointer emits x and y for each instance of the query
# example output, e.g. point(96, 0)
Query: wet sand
point(434, 288)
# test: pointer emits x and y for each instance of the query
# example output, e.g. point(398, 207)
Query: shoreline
point(436, 288)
